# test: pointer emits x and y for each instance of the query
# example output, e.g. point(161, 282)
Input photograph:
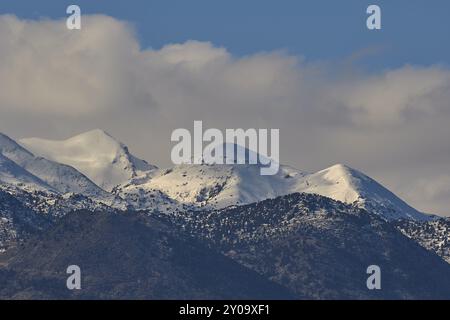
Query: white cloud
point(46, 68)
point(390, 97)
point(432, 193)
point(57, 82)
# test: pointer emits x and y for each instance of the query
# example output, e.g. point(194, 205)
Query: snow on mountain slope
point(13, 175)
point(215, 186)
point(432, 235)
point(220, 186)
point(336, 182)
point(108, 162)
point(348, 185)
point(60, 177)
point(96, 154)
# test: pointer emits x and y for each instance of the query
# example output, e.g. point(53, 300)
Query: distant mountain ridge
point(108, 162)
point(220, 186)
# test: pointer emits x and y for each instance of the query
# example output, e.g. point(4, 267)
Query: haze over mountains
point(294, 228)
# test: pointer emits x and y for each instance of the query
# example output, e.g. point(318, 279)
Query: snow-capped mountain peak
point(98, 155)
point(211, 185)
point(60, 177)
point(338, 182)
point(342, 183)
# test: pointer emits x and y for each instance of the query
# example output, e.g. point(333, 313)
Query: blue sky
point(414, 31)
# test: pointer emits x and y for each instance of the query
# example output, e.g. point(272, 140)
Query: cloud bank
point(392, 124)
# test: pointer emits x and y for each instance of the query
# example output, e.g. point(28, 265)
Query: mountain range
point(309, 234)
point(109, 165)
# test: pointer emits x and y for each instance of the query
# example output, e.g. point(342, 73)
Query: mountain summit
point(98, 155)
point(351, 186)
point(57, 176)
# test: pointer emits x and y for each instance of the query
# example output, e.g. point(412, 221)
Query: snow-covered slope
point(96, 154)
point(13, 175)
point(348, 185)
point(219, 186)
point(108, 162)
point(215, 186)
point(432, 235)
point(60, 177)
